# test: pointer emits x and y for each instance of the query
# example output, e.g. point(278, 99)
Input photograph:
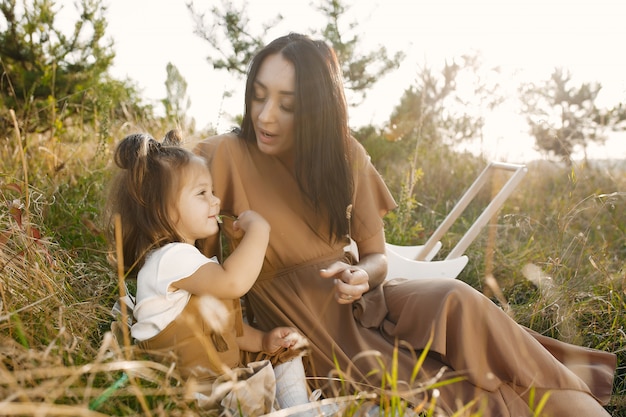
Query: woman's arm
point(352, 281)
point(373, 258)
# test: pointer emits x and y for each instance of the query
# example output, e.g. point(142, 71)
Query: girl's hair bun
point(141, 147)
point(173, 137)
point(132, 148)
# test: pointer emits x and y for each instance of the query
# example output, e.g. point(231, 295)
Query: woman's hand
point(351, 282)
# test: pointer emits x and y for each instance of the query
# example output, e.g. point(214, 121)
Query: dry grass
point(557, 260)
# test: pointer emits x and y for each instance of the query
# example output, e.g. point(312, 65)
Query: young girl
point(187, 305)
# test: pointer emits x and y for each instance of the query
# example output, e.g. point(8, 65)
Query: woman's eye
point(258, 95)
point(288, 107)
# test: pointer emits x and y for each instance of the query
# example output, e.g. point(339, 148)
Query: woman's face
point(272, 106)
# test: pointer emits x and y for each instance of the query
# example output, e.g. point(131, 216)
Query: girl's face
point(196, 206)
point(272, 106)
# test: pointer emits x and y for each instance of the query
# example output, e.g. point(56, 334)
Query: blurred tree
point(447, 107)
point(226, 29)
point(361, 71)
point(177, 102)
point(49, 76)
point(615, 117)
point(45, 69)
point(233, 44)
point(562, 117)
point(441, 109)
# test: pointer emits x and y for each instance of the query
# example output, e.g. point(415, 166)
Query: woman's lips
point(265, 136)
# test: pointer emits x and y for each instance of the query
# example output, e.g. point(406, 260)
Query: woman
point(295, 163)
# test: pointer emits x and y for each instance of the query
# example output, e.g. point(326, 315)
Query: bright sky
point(525, 37)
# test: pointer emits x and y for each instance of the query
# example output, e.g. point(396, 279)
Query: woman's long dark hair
point(321, 128)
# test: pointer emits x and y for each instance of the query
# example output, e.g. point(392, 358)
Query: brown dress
point(498, 359)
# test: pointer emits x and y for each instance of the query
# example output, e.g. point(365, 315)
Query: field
point(556, 252)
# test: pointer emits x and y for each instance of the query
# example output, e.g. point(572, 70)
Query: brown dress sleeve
point(372, 199)
point(227, 181)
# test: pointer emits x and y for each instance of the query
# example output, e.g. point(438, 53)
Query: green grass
point(565, 225)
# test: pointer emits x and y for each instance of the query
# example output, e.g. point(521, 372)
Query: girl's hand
point(249, 219)
point(279, 337)
point(351, 282)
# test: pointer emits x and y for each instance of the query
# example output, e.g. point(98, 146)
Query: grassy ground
point(556, 253)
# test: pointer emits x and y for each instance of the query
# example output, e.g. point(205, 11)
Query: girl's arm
point(237, 274)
